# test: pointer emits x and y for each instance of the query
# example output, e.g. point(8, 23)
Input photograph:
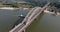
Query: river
point(45, 23)
point(9, 17)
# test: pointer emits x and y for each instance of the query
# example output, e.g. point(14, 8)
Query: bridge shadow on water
point(18, 21)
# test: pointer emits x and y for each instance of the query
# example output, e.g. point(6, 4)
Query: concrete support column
point(23, 31)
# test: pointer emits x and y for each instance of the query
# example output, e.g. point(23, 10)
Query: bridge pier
point(23, 30)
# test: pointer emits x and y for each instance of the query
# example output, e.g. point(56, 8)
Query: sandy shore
point(51, 12)
point(9, 8)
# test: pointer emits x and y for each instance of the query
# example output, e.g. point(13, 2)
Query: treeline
point(11, 4)
point(37, 3)
point(40, 3)
point(56, 4)
point(33, 3)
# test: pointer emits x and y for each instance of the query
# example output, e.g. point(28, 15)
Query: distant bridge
point(33, 14)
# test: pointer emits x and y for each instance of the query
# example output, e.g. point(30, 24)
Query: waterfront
point(45, 23)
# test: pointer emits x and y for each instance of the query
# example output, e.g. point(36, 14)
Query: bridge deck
point(33, 14)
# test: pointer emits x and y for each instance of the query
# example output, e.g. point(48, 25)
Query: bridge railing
point(28, 19)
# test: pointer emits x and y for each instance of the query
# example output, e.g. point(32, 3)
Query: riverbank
point(51, 12)
point(11, 8)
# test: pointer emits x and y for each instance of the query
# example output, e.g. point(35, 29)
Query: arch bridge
point(30, 17)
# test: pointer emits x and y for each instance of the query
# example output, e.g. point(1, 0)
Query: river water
point(45, 23)
point(9, 17)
